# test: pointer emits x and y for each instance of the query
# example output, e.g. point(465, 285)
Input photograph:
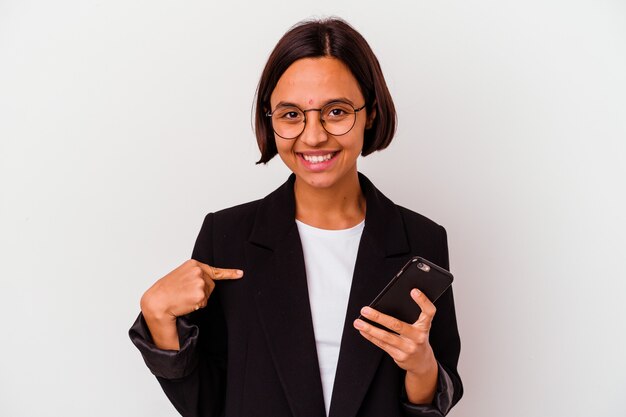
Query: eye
point(288, 114)
point(337, 111)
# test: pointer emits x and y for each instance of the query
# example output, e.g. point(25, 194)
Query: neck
point(338, 207)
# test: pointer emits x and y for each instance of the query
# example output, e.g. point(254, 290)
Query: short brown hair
point(334, 38)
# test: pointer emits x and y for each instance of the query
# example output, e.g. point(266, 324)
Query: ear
point(371, 116)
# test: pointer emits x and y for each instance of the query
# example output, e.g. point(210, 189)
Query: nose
point(313, 133)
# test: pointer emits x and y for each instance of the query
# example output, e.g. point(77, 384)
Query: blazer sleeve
point(446, 344)
point(194, 377)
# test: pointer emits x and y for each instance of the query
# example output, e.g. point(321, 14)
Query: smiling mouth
point(317, 159)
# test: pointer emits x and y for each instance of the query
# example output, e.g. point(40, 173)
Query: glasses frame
point(322, 121)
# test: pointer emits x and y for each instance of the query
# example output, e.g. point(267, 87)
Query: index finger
point(389, 322)
point(220, 273)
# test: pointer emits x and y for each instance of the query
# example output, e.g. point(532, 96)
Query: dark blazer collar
point(274, 253)
point(383, 222)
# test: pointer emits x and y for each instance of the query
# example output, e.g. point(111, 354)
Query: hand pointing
point(182, 291)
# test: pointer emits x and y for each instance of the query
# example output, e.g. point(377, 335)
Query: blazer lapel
point(378, 260)
point(275, 252)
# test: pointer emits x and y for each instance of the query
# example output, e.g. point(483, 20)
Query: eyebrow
point(332, 100)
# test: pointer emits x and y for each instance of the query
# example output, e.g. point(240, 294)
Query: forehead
point(315, 81)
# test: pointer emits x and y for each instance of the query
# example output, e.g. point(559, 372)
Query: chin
point(318, 180)
point(321, 180)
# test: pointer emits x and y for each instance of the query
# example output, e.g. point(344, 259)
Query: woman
point(279, 335)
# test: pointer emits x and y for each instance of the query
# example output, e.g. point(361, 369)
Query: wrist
point(421, 386)
point(154, 312)
point(162, 328)
point(425, 371)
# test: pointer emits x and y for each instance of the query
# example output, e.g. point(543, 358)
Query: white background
point(123, 122)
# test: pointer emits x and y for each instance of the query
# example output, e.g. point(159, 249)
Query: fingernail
point(415, 292)
point(239, 273)
point(366, 311)
point(359, 324)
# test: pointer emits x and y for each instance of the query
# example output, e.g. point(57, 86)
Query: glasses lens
point(338, 118)
point(288, 122)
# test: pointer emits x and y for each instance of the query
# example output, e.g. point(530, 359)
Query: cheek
point(280, 145)
point(284, 149)
point(355, 145)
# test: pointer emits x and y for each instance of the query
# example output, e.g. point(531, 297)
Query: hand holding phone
point(395, 299)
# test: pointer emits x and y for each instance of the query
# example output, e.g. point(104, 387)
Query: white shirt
point(329, 258)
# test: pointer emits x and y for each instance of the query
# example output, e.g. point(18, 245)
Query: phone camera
point(423, 267)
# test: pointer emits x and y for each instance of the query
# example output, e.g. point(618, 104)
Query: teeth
point(316, 159)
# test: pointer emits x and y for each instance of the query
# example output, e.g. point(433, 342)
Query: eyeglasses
point(337, 118)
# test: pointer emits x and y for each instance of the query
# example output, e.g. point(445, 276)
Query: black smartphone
point(395, 299)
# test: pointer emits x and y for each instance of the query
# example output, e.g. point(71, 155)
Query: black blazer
point(251, 351)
